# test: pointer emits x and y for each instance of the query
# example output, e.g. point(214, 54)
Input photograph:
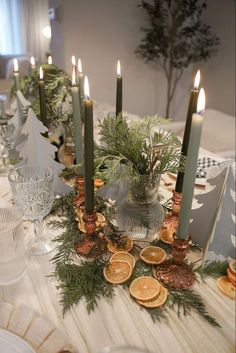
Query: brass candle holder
point(175, 272)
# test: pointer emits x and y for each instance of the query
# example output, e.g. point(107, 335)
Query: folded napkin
point(202, 165)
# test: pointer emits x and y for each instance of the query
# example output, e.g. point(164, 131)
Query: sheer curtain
point(34, 19)
point(21, 26)
point(11, 36)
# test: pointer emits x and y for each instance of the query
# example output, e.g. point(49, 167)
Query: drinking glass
point(32, 190)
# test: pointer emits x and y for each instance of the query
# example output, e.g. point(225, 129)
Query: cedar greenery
point(85, 280)
point(176, 38)
point(58, 94)
point(186, 300)
point(134, 150)
point(212, 269)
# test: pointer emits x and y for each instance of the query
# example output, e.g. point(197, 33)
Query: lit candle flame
point(49, 60)
point(41, 73)
point(201, 102)
point(73, 80)
point(197, 80)
point(15, 65)
point(80, 66)
point(73, 61)
point(86, 88)
point(118, 68)
point(32, 61)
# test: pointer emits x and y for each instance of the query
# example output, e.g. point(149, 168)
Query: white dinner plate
point(10, 343)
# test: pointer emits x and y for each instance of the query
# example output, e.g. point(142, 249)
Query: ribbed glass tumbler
point(32, 190)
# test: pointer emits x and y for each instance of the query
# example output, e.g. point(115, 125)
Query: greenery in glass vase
point(135, 150)
point(57, 92)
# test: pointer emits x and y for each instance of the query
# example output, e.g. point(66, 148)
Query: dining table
point(118, 321)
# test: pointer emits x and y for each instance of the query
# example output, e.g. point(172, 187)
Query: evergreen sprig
point(57, 93)
point(71, 234)
point(186, 300)
point(135, 150)
point(212, 269)
point(84, 281)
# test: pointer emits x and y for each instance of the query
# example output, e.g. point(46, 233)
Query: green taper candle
point(191, 169)
point(88, 150)
point(77, 121)
point(16, 74)
point(192, 108)
point(118, 90)
point(42, 98)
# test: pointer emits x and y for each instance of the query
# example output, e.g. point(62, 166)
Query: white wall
point(102, 31)
point(219, 72)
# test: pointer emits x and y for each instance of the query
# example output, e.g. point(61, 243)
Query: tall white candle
point(191, 169)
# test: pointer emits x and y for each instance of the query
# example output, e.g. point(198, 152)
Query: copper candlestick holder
point(79, 186)
point(174, 272)
point(171, 220)
point(89, 240)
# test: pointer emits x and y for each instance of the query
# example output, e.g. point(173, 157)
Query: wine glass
point(32, 190)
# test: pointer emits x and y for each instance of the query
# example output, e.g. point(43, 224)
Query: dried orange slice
point(98, 183)
point(232, 267)
point(153, 255)
point(125, 248)
point(157, 301)
point(166, 235)
point(231, 277)
point(117, 271)
point(100, 218)
point(124, 256)
point(79, 215)
point(144, 288)
point(226, 287)
point(81, 227)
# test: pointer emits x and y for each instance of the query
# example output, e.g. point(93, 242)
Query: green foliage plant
point(57, 92)
point(136, 150)
point(176, 38)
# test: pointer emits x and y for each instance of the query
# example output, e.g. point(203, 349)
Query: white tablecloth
point(121, 321)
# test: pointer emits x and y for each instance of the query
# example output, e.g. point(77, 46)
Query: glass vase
point(140, 214)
